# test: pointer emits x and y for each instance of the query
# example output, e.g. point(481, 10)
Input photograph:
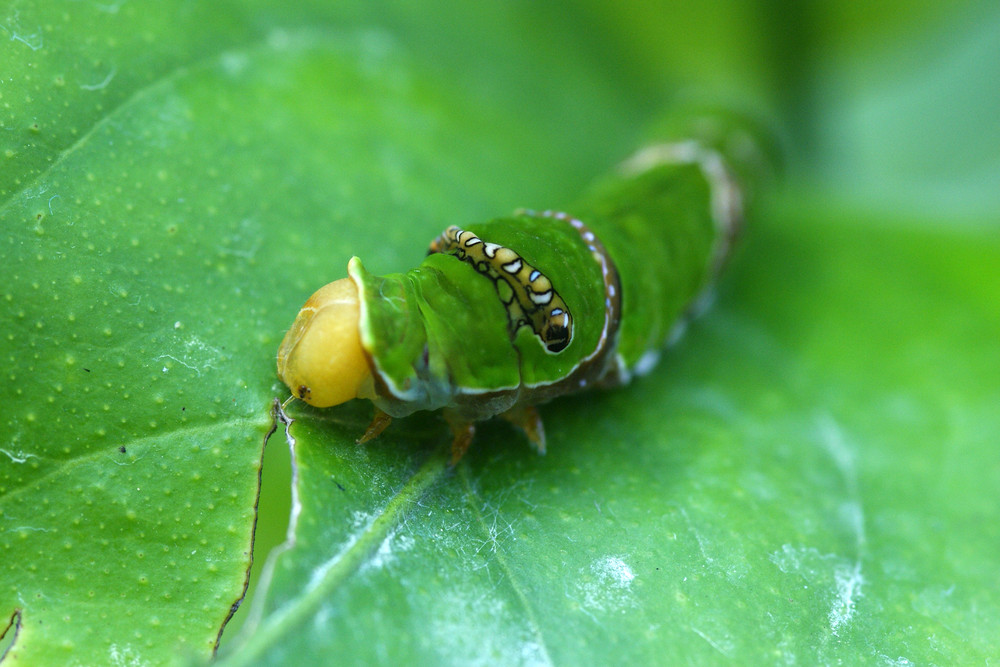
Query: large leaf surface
point(810, 475)
point(810, 486)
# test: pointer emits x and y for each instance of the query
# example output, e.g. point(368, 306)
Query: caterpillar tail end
point(749, 147)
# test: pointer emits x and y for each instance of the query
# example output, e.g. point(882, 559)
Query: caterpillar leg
point(462, 432)
point(527, 419)
point(379, 422)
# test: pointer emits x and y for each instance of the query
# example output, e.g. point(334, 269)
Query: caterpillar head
point(320, 358)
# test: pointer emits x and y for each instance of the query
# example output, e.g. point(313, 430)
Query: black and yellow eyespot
point(527, 294)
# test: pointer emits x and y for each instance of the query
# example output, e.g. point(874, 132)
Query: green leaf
point(809, 476)
point(806, 488)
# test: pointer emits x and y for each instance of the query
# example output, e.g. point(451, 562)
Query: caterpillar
point(507, 314)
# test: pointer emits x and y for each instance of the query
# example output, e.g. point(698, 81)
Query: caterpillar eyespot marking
point(514, 267)
point(513, 312)
point(533, 297)
point(541, 299)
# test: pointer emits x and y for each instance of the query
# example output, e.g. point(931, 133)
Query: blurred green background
point(810, 476)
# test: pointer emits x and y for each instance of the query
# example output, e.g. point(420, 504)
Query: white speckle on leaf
point(404, 543)
point(841, 578)
point(392, 545)
point(848, 579)
point(721, 548)
point(100, 84)
point(615, 570)
point(498, 530)
point(383, 556)
point(849, 582)
point(723, 645)
point(197, 355)
point(845, 459)
point(478, 630)
point(13, 28)
point(124, 656)
point(19, 456)
point(30, 529)
point(606, 587)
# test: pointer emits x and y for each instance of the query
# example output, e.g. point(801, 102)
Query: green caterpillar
point(507, 314)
